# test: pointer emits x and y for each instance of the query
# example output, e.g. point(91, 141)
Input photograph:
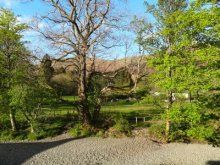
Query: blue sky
point(26, 10)
point(36, 6)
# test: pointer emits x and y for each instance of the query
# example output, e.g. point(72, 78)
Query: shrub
point(19, 135)
point(187, 123)
point(201, 133)
point(122, 125)
point(152, 99)
point(100, 133)
point(157, 131)
point(80, 130)
point(6, 135)
point(215, 139)
point(32, 136)
point(142, 92)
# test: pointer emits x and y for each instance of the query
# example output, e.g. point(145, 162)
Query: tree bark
point(97, 109)
point(190, 96)
point(133, 89)
point(83, 96)
point(30, 122)
point(32, 127)
point(13, 121)
point(170, 102)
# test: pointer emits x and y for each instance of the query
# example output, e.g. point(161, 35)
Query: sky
point(27, 10)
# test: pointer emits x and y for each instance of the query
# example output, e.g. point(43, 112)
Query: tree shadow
point(213, 162)
point(18, 153)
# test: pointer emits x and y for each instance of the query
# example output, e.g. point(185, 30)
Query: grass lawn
point(123, 107)
point(53, 121)
point(130, 112)
point(70, 98)
point(140, 109)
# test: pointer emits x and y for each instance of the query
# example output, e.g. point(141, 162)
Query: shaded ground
point(125, 151)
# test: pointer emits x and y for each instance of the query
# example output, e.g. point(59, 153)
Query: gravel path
point(97, 151)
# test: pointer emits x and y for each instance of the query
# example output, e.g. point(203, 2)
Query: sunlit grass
point(70, 98)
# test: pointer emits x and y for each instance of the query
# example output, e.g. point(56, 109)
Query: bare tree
point(78, 27)
point(137, 69)
point(135, 64)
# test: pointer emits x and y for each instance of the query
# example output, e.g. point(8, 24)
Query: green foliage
point(202, 133)
point(6, 135)
point(44, 128)
point(212, 101)
point(122, 79)
point(29, 100)
point(153, 99)
point(32, 136)
point(184, 43)
point(50, 126)
point(157, 131)
point(215, 139)
point(182, 39)
point(14, 59)
point(187, 123)
point(12, 50)
point(120, 128)
point(141, 92)
point(96, 84)
point(122, 125)
point(80, 130)
point(100, 133)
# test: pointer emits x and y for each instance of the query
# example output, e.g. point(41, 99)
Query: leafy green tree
point(29, 100)
point(13, 55)
point(179, 40)
point(159, 38)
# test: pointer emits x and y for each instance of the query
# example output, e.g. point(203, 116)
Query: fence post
point(136, 119)
point(144, 119)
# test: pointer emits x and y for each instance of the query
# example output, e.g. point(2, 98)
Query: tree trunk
point(197, 94)
point(32, 127)
point(29, 122)
point(85, 115)
point(170, 102)
point(167, 131)
point(97, 110)
point(134, 87)
point(13, 121)
point(190, 96)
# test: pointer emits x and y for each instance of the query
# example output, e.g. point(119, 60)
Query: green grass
point(60, 111)
point(131, 111)
point(129, 108)
point(52, 122)
point(70, 98)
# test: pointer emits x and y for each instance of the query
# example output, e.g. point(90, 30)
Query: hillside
point(63, 77)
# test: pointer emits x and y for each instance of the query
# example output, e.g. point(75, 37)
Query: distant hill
point(63, 77)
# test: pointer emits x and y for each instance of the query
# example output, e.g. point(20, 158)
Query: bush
point(152, 99)
point(187, 123)
point(6, 135)
point(122, 125)
point(100, 133)
point(201, 133)
point(157, 131)
point(32, 136)
point(80, 130)
point(215, 139)
point(142, 92)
